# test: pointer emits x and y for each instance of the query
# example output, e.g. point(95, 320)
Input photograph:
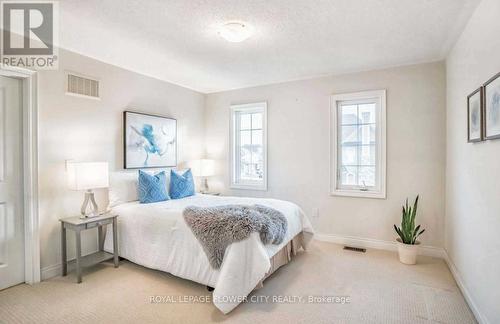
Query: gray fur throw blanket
point(217, 227)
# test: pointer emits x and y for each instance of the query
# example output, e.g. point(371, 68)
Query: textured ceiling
point(176, 40)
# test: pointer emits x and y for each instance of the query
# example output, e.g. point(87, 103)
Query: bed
point(157, 237)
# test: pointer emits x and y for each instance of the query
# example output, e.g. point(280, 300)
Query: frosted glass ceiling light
point(235, 32)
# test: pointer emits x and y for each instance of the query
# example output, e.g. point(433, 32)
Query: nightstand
point(78, 225)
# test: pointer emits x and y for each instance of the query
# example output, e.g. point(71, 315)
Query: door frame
point(29, 80)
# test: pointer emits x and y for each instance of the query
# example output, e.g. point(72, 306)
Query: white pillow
point(123, 186)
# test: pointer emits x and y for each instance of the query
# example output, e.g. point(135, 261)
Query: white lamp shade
point(87, 175)
point(203, 168)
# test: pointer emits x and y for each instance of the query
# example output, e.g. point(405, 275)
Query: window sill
point(359, 194)
point(248, 187)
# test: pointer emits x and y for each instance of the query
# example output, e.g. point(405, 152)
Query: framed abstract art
point(475, 116)
point(150, 141)
point(492, 108)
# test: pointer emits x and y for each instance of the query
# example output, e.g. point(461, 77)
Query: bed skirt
point(284, 256)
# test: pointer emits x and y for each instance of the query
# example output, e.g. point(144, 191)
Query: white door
point(11, 187)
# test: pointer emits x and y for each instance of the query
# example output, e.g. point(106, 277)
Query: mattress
point(157, 237)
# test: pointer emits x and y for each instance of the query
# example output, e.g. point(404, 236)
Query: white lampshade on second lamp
point(203, 168)
point(86, 176)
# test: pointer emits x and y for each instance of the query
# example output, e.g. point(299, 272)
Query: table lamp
point(86, 176)
point(203, 168)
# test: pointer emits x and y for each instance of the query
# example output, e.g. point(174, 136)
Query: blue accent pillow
point(152, 188)
point(181, 185)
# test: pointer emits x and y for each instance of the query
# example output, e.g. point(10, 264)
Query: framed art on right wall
point(492, 108)
point(475, 116)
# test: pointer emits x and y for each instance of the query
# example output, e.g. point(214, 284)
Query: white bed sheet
point(157, 237)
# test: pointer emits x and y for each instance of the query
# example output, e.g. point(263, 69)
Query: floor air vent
point(355, 249)
point(81, 86)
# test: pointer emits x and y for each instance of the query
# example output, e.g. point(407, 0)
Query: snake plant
point(408, 232)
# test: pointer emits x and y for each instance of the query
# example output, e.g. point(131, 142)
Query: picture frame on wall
point(492, 108)
point(475, 116)
point(150, 141)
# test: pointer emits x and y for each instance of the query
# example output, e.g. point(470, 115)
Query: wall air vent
point(82, 86)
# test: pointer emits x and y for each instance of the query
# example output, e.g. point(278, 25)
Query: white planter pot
point(407, 252)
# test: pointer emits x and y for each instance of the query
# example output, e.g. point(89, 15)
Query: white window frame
point(237, 183)
point(355, 191)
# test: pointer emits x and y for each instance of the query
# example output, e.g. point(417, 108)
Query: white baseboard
point(465, 292)
point(56, 269)
point(376, 244)
point(51, 271)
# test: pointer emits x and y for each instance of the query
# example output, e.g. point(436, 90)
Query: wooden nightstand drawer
point(99, 223)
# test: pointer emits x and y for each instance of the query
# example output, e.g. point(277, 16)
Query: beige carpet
point(381, 290)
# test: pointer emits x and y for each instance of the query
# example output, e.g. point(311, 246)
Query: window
point(249, 146)
point(358, 144)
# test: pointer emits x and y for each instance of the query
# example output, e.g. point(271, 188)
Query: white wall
point(91, 130)
point(473, 170)
point(298, 145)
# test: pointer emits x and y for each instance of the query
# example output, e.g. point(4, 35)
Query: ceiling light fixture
point(235, 32)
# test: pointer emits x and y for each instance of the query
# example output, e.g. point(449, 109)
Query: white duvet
point(156, 236)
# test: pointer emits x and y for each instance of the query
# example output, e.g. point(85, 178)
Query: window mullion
point(377, 143)
point(251, 149)
point(358, 151)
point(339, 145)
point(238, 147)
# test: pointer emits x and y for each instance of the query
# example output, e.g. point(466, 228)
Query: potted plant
point(408, 234)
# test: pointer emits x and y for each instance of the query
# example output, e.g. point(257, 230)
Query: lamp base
point(89, 206)
point(204, 186)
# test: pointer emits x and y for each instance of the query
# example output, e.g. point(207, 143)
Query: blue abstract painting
point(150, 141)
